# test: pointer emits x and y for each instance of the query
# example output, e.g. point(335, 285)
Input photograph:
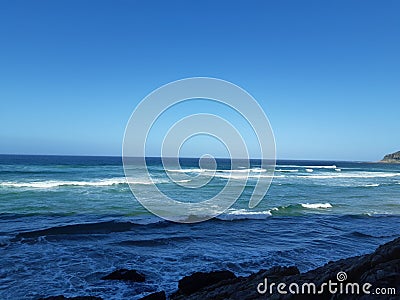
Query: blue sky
point(326, 73)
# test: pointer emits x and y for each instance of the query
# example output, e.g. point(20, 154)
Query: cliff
point(392, 158)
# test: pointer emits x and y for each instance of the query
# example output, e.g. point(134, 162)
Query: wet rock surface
point(380, 269)
point(125, 274)
point(61, 297)
point(155, 296)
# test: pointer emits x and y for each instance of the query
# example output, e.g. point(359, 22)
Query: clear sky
point(327, 73)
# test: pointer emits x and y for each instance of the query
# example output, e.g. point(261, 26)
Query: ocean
point(66, 221)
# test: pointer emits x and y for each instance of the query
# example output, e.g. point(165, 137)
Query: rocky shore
point(392, 158)
point(370, 274)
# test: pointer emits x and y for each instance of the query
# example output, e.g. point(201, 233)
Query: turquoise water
point(67, 221)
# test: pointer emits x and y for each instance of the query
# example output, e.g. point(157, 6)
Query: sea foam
point(316, 205)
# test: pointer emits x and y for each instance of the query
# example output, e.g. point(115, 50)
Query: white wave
point(252, 170)
point(353, 175)
point(149, 182)
point(57, 183)
point(183, 180)
point(242, 174)
point(338, 170)
point(191, 170)
point(309, 170)
point(372, 185)
point(235, 214)
point(316, 205)
point(231, 176)
point(320, 167)
point(244, 177)
point(100, 183)
point(289, 171)
point(308, 167)
point(246, 212)
point(201, 170)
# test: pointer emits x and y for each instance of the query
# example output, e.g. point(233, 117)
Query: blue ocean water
point(67, 221)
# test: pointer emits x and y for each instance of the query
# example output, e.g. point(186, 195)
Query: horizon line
point(183, 157)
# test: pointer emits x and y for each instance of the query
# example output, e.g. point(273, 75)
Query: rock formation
point(125, 274)
point(380, 269)
point(392, 158)
point(370, 272)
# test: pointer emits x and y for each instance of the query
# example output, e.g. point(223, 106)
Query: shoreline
point(379, 270)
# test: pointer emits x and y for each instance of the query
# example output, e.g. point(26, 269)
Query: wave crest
point(316, 205)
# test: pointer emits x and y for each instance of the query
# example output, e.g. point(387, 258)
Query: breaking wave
point(316, 205)
point(93, 183)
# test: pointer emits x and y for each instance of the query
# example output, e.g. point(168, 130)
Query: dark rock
point(392, 158)
point(62, 297)
point(155, 296)
point(279, 271)
point(381, 269)
point(190, 284)
point(125, 274)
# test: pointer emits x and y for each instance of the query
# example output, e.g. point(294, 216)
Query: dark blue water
point(68, 221)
